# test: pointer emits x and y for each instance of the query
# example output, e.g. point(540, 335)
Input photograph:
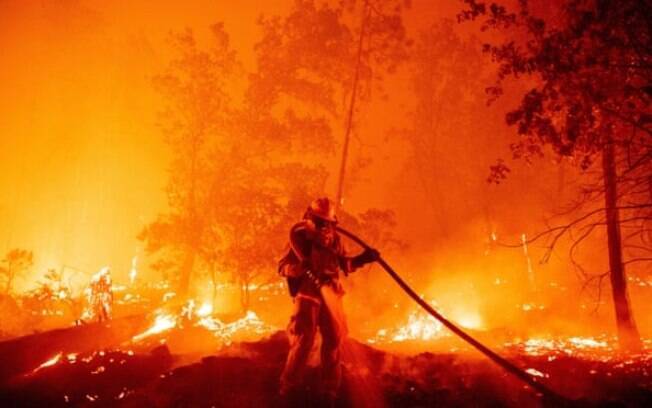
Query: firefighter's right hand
point(367, 256)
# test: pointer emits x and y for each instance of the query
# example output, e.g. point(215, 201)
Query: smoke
point(83, 166)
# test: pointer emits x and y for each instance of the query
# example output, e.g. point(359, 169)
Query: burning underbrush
point(246, 374)
point(195, 329)
point(146, 347)
point(420, 327)
point(189, 357)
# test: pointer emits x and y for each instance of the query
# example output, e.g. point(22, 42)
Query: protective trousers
point(310, 313)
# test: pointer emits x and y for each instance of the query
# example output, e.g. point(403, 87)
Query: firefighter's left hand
point(369, 255)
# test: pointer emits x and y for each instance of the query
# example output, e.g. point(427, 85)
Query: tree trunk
point(194, 224)
point(628, 335)
point(244, 296)
point(186, 273)
point(10, 278)
point(349, 122)
point(214, 282)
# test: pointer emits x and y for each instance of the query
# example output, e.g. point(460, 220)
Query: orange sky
point(83, 164)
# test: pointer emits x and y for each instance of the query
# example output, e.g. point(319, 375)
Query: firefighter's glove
point(367, 256)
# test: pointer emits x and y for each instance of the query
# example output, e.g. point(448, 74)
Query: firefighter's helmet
point(322, 208)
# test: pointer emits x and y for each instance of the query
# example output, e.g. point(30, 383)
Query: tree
point(15, 263)
point(328, 57)
point(305, 63)
point(52, 295)
point(446, 72)
point(232, 171)
point(375, 22)
point(195, 120)
point(243, 173)
point(246, 222)
point(590, 64)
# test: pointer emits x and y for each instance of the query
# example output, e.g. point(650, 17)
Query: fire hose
point(502, 362)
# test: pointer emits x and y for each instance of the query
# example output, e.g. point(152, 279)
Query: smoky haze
point(84, 165)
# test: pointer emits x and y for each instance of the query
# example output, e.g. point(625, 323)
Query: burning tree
point(590, 104)
point(15, 263)
point(234, 188)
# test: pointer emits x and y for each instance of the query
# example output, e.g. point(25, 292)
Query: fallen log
point(24, 354)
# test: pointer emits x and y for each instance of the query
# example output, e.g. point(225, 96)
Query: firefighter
point(100, 295)
point(313, 265)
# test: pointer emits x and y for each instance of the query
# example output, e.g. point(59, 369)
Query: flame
point(134, 271)
point(418, 327)
point(205, 310)
point(584, 347)
point(536, 373)
point(423, 327)
point(98, 370)
point(72, 357)
point(584, 342)
point(247, 327)
point(48, 363)
point(470, 321)
point(163, 322)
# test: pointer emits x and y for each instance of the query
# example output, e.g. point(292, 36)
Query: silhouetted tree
point(232, 172)
point(306, 63)
point(243, 173)
point(15, 263)
point(194, 122)
point(326, 56)
point(447, 75)
point(589, 102)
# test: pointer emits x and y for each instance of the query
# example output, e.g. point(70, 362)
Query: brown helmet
point(322, 208)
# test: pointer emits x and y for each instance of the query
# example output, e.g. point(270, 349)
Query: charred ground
point(96, 365)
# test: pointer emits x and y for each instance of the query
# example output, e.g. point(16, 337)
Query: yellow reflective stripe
point(310, 298)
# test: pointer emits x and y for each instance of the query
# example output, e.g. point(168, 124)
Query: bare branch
point(630, 261)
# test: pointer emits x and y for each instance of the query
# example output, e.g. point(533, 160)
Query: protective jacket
point(313, 260)
point(312, 266)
